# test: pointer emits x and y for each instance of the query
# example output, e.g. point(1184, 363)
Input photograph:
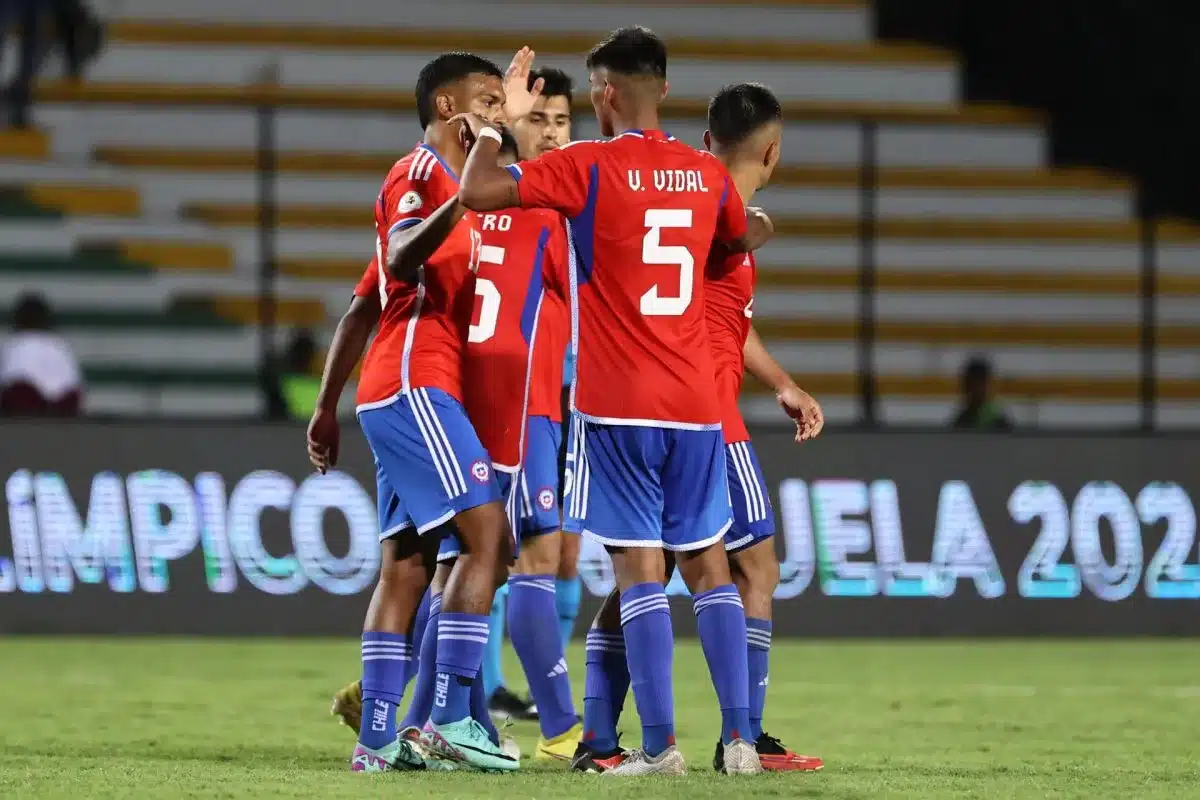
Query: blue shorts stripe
point(457, 479)
point(432, 444)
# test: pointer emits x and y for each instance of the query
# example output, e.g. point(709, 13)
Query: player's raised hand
point(323, 439)
point(519, 95)
point(804, 409)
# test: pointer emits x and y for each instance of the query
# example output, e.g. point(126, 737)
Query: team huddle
point(494, 254)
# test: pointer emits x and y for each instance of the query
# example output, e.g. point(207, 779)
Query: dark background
point(919, 463)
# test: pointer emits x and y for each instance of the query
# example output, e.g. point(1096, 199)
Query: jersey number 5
point(654, 252)
point(489, 310)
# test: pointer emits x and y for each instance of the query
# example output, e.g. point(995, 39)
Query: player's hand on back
point(758, 213)
point(519, 96)
point(804, 409)
point(323, 439)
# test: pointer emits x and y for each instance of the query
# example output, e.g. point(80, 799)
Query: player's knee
point(634, 565)
point(568, 559)
point(608, 618)
point(760, 566)
point(704, 570)
point(540, 554)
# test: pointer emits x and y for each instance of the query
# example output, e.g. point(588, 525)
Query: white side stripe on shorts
point(581, 478)
point(756, 506)
point(439, 446)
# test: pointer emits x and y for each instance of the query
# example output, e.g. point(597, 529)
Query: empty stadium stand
point(133, 207)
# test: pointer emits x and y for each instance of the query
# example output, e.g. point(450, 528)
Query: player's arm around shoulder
point(740, 229)
point(557, 180)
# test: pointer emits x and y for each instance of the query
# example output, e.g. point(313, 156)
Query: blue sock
point(604, 689)
point(649, 648)
point(531, 618)
point(758, 637)
point(493, 673)
point(721, 623)
point(479, 711)
point(385, 660)
point(567, 596)
point(418, 634)
point(461, 640)
point(422, 698)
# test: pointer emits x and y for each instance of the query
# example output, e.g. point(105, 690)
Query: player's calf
point(756, 573)
point(568, 590)
point(462, 633)
point(721, 624)
point(386, 648)
point(532, 619)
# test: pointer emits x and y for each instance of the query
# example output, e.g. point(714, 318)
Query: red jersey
point(644, 210)
point(524, 254)
point(423, 325)
point(728, 307)
point(554, 329)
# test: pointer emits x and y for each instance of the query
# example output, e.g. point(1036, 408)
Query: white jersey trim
point(650, 423)
point(376, 404)
point(506, 469)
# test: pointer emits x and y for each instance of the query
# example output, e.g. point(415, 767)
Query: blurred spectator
point(75, 27)
point(979, 411)
point(292, 392)
point(39, 375)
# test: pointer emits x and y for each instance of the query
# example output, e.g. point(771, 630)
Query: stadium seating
point(134, 207)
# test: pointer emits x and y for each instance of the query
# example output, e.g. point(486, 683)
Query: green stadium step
point(166, 377)
point(16, 204)
point(181, 316)
point(88, 261)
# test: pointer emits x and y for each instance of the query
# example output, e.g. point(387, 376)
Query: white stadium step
point(979, 307)
point(226, 65)
point(78, 130)
point(809, 22)
point(165, 193)
point(829, 358)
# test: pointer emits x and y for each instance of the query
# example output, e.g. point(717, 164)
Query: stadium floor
point(108, 718)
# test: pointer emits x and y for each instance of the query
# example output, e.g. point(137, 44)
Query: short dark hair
point(557, 82)
point(508, 144)
point(447, 68)
point(31, 313)
point(631, 51)
point(739, 110)
point(977, 368)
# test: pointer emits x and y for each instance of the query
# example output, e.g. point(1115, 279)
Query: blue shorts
point(531, 496)
point(632, 486)
point(430, 464)
point(753, 516)
point(539, 478)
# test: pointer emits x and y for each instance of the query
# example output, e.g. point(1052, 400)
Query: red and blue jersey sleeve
point(415, 188)
point(562, 180)
point(368, 284)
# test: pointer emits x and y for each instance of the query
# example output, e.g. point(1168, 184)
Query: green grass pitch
point(161, 718)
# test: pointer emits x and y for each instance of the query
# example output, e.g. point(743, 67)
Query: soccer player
point(745, 127)
point(522, 290)
point(644, 210)
point(432, 468)
point(546, 127)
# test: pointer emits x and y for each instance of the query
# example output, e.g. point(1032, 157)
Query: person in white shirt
point(39, 375)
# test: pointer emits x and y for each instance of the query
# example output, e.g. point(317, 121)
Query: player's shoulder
point(422, 165)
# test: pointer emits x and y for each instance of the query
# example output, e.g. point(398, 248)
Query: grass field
point(102, 718)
